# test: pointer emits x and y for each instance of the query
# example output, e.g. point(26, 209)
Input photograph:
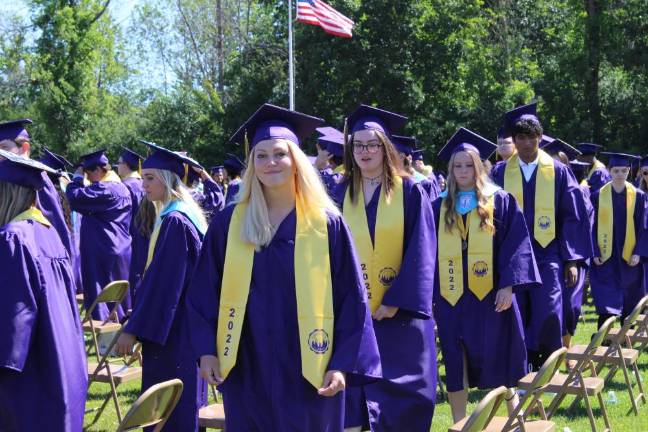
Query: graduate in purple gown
point(405, 146)
point(330, 157)
point(15, 139)
point(158, 319)
point(598, 174)
point(283, 376)
point(617, 278)
point(105, 238)
point(428, 172)
point(480, 328)
point(129, 170)
point(42, 358)
point(210, 198)
point(404, 398)
point(560, 230)
point(643, 185)
point(233, 168)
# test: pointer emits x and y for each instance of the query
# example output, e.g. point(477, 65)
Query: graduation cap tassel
point(246, 146)
point(186, 174)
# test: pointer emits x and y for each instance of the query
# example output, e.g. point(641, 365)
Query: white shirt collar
point(530, 164)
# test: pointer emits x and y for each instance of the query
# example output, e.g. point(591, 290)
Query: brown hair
point(14, 199)
point(145, 217)
point(352, 172)
point(481, 179)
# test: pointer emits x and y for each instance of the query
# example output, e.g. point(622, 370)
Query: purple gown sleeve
point(49, 203)
point(598, 179)
point(641, 225)
point(18, 308)
point(412, 289)
point(516, 263)
point(575, 233)
point(213, 199)
point(160, 290)
point(88, 199)
point(203, 296)
point(355, 348)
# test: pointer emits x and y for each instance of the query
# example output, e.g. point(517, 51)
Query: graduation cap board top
point(620, 159)
point(466, 140)
point(404, 144)
point(22, 171)
point(366, 117)
point(644, 161)
point(524, 112)
point(417, 155)
point(558, 145)
point(130, 157)
point(588, 149)
point(94, 159)
point(54, 161)
point(165, 159)
point(14, 129)
point(273, 122)
point(234, 163)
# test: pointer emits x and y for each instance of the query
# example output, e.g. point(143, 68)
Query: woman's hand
point(125, 344)
point(210, 369)
point(634, 260)
point(504, 299)
point(598, 261)
point(334, 382)
point(385, 312)
point(204, 175)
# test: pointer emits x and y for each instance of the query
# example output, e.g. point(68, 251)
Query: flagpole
point(291, 61)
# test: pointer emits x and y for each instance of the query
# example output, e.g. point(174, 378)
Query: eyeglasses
point(370, 148)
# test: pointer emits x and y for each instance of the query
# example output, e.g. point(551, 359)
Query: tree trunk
point(220, 49)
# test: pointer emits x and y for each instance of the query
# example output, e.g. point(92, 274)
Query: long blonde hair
point(175, 190)
point(481, 180)
point(310, 196)
point(14, 199)
point(353, 174)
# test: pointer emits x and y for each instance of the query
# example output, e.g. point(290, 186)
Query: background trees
point(186, 73)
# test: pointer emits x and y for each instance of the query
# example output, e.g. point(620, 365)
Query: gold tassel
point(186, 174)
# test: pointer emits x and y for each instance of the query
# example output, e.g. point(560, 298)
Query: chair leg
point(642, 393)
point(626, 376)
point(599, 396)
point(590, 414)
point(555, 404)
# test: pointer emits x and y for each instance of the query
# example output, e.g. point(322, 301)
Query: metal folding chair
point(153, 407)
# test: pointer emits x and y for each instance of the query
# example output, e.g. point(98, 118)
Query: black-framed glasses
point(369, 148)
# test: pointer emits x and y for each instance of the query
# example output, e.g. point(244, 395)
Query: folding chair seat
point(212, 416)
point(531, 401)
point(616, 357)
point(575, 383)
point(634, 336)
point(153, 407)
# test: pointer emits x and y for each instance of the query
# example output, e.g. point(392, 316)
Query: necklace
point(373, 181)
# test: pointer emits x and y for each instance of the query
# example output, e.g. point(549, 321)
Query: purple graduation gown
point(48, 202)
point(492, 341)
point(105, 238)
point(405, 398)
point(330, 179)
point(266, 391)
point(212, 199)
point(598, 179)
point(541, 308)
point(159, 319)
point(139, 242)
point(42, 358)
point(617, 287)
point(232, 190)
point(572, 297)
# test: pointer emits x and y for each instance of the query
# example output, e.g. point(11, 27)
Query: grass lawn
point(621, 417)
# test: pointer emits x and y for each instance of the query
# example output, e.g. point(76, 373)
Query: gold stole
point(339, 169)
point(480, 255)
point(313, 289)
point(597, 165)
point(544, 224)
point(380, 262)
point(111, 177)
point(33, 214)
point(605, 234)
point(135, 175)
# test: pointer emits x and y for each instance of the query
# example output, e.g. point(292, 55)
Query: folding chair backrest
point(153, 407)
point(549, 369)
point(114, 292)
point(595, 343)
point(632, 318)
point(484, 411)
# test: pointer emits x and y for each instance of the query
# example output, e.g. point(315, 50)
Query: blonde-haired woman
point(392, 224)
point(486, 254)
point(38, 313)
point(158, 319)
point(278, 288)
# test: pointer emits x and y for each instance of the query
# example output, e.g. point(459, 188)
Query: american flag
point(318, 13)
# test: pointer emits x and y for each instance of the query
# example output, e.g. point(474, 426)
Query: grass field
point(621, 417)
